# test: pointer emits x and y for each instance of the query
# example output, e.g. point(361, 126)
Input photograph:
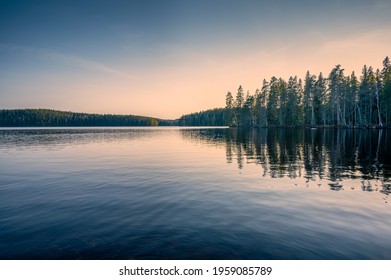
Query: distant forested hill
point(213, 117)
point(46, 117)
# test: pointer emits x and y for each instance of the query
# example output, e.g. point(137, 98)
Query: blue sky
point(167, 58)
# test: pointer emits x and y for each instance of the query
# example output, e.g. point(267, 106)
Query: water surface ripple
point(194, 193)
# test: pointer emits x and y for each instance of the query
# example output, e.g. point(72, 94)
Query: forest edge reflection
point(313, 154)
point(332, 155)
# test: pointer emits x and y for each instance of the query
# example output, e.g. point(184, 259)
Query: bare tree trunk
point(267, 124)
point(359, 115)
point(312, 112)
point(344, 113)
point(378, 107)
point(370, 109)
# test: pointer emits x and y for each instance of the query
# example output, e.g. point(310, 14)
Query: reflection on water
point(57, 137)
point(314, 154)
point(194, 193)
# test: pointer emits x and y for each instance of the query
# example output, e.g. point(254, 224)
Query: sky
point(169, 58)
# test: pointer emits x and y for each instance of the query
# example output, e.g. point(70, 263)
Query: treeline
point(46, 117)
point(213, 117)
point(337, 100)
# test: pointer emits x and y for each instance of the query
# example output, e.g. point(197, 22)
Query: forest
point(213, 117)
point(53, 118)
point(46, 117)
point(336, 100)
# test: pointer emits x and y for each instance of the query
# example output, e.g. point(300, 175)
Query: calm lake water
point(194, 193)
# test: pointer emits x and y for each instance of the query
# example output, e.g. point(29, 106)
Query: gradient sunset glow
point(168, 58)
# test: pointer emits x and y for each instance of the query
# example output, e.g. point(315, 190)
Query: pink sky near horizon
point(167, 80)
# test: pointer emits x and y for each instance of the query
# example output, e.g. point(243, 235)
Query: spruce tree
point(239, 106)
point(386, 91)
point(229, 107)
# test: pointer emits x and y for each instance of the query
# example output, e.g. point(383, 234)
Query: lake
point(194, 193)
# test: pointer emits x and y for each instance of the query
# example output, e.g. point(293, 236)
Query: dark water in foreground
point(204, 193)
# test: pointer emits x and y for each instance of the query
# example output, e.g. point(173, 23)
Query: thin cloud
point(64, 58)
point(377, 41)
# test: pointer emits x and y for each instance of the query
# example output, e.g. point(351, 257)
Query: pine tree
point(272, 102)
point(248, 111)
point(320, 99)
point(283, 101)
point(239, 106)
point(364, 96)
point(378, 88)
point(336, 86)
point(386, 90)
point(372, 90)
point(264, 97)
point(354, 93)
point(309, 99)
point(229, 106)
point(293, 110)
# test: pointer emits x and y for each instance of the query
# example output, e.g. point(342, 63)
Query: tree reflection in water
point(313, 154)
